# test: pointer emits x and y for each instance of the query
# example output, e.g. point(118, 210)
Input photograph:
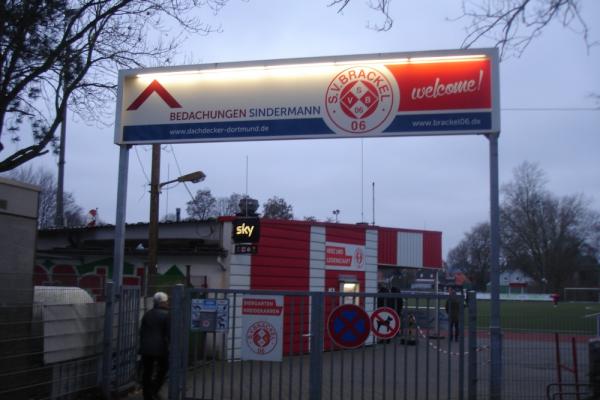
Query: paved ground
point(389, 371)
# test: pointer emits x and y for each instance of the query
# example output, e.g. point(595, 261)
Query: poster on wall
point(262, 328)
point(344, 256)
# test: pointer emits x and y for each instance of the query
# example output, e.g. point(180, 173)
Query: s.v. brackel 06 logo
point(361, 100)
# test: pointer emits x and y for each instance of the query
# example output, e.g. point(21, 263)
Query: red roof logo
point(160, 90)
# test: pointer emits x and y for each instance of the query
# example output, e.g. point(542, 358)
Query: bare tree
point(381, 6)
point(203, 206)
point(549, 238)
point(471, 255)
point(513, 24)
point(59, 52)
point(228, 205)
point(543, 234)
point(46, 181)
point(277, 208)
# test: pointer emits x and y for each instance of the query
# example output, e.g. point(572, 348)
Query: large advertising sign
point(397, 94)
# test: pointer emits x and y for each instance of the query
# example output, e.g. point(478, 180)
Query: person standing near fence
point(154, 346)
point(453, 304)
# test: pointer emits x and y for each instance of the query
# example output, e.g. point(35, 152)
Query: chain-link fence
point(50, 339)
point(545, 348)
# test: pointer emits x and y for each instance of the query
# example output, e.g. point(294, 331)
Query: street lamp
point(336, 213)
point(155, 186)
point(193, 177)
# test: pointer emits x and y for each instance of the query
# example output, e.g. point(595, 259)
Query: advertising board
point(394, 94)
point(344, 256)
point(262, 328)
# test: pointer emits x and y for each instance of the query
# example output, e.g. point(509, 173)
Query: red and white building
point(312, 256)
point(291, 255)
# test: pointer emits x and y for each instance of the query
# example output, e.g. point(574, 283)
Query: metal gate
point(121, 333)
point(420, 362)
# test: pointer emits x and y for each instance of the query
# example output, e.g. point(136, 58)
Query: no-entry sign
point(348, 326)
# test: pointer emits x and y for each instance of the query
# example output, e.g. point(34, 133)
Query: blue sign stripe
point(224, 130)
point(314, 127)
point(470, 121)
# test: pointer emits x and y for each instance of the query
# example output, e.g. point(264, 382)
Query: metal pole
point(461, 348)
point(437, 303)
point(59, 219)
point(114, 287)
point(373, 192)
point(107, 340)
point(472, 373)
point(119, 249)
point(176, 352)
point(495, 330)
point(316, 346)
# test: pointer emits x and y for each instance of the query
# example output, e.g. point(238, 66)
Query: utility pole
point(59, 220)
point(155, 186)
point(153, 226)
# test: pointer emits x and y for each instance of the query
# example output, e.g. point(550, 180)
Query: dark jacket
point(154, 333)
point(453, 307)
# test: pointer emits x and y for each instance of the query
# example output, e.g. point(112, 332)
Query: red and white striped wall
point(298, 255)
point(306, 256)
point(409, 248)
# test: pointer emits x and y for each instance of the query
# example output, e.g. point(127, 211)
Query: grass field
point(542, 316)
point(537, 316)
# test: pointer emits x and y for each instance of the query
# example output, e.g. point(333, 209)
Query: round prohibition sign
point(385, 323)
point(348, 326)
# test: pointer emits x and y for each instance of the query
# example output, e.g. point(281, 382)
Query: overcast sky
point(435, 183)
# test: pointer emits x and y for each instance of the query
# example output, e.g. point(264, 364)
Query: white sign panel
point(344, 256)
point(423, 93)
point(262, 328)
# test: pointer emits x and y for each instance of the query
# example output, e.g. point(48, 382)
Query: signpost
point(348, 326)
point(385, 323)
point(450, 92)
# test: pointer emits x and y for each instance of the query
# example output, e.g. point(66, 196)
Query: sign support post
point(119, 250)
point(370, 95)
point(495, 331)
point(113, 289)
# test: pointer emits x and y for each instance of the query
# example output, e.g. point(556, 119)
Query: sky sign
point(396, 94)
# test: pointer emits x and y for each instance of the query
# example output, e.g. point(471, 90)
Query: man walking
point(154, 346)
point(453, 310)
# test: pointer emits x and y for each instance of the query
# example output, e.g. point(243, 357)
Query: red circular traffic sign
point(348, 326)
point(385, 323)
